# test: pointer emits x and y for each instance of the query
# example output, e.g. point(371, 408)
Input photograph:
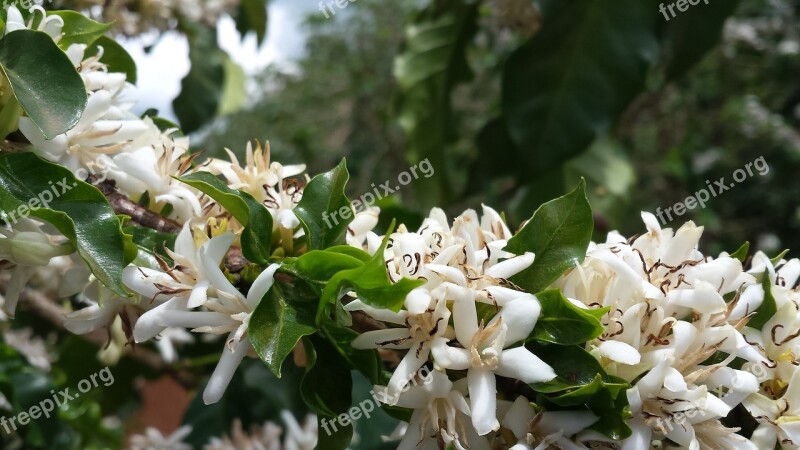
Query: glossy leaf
point(257, 221)
point(281, 319)
point(575, 76)
point(76, 209)
point(582, 383)
point(327, 390)
point(561, 322)
point(115, 57)
point(320, 210)
point(558, 234)
point(79, 29)
point(371, 283)
point(44, 81)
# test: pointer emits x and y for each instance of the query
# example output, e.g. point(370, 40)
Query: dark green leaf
point(741, 252)
point(252, 16)
point(79, 29)
point(573, 365)
point(690, 36)
point(368, 362)
point(115, 57)
point(558, 234)
point(578, 73)
point(76, 209)
point(256, 219)
point(324, 210)
point(280, 320)
point(327, 390)
point(581, 383)
point(563, 323)
point(768, 307)
point(44, 81)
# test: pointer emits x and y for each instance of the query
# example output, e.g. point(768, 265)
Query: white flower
point(269, 183)
point(150, 167)
point(300, 437)
point(228, 312)
point(92, 137)
point(189, 281)
point(257, 174)
point(152, 439)
point(168, 341)
point(779, 418)
point(49, 24)
point(361, 225)
point(682, 407)
point(104, 307)
point(424, 319)
point(440, 413)
point(548, 429)
point(29, 248)
point(486, 352)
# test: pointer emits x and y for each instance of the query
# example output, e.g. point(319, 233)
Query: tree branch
point(38, 303)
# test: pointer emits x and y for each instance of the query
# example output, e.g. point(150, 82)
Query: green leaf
point(79, 29)
point(76, 209)
point(368, 362)
point(689, 37)
point(741, 252)
point(284, 315)
point(115, 57)
point(44, 81)
point(574, 367)
point(432, 62)
point(327, 390)
point(322, 265)
point(779, 257)
point(371, 283)
point(256, 219)
point(201, 88)
point(558, 234)
point(575, 76)
point(252, 16)
point(563, 323)
point(324, 210)
point(151, 240)
point(580, 383)
point(234, 94)
point(768, 307)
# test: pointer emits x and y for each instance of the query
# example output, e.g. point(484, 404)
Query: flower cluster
point(680, 329)
point(296, 436)
point(142, 162)
point(465, 270)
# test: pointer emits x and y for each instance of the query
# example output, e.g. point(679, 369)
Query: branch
point(139, 214)
point(38, 303)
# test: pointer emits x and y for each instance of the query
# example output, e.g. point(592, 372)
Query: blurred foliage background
point(512, 101)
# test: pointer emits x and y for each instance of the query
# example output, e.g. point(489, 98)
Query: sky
point(157, 87)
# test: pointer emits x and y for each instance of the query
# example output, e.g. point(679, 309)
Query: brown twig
point(138, 214)
point(40, 304)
